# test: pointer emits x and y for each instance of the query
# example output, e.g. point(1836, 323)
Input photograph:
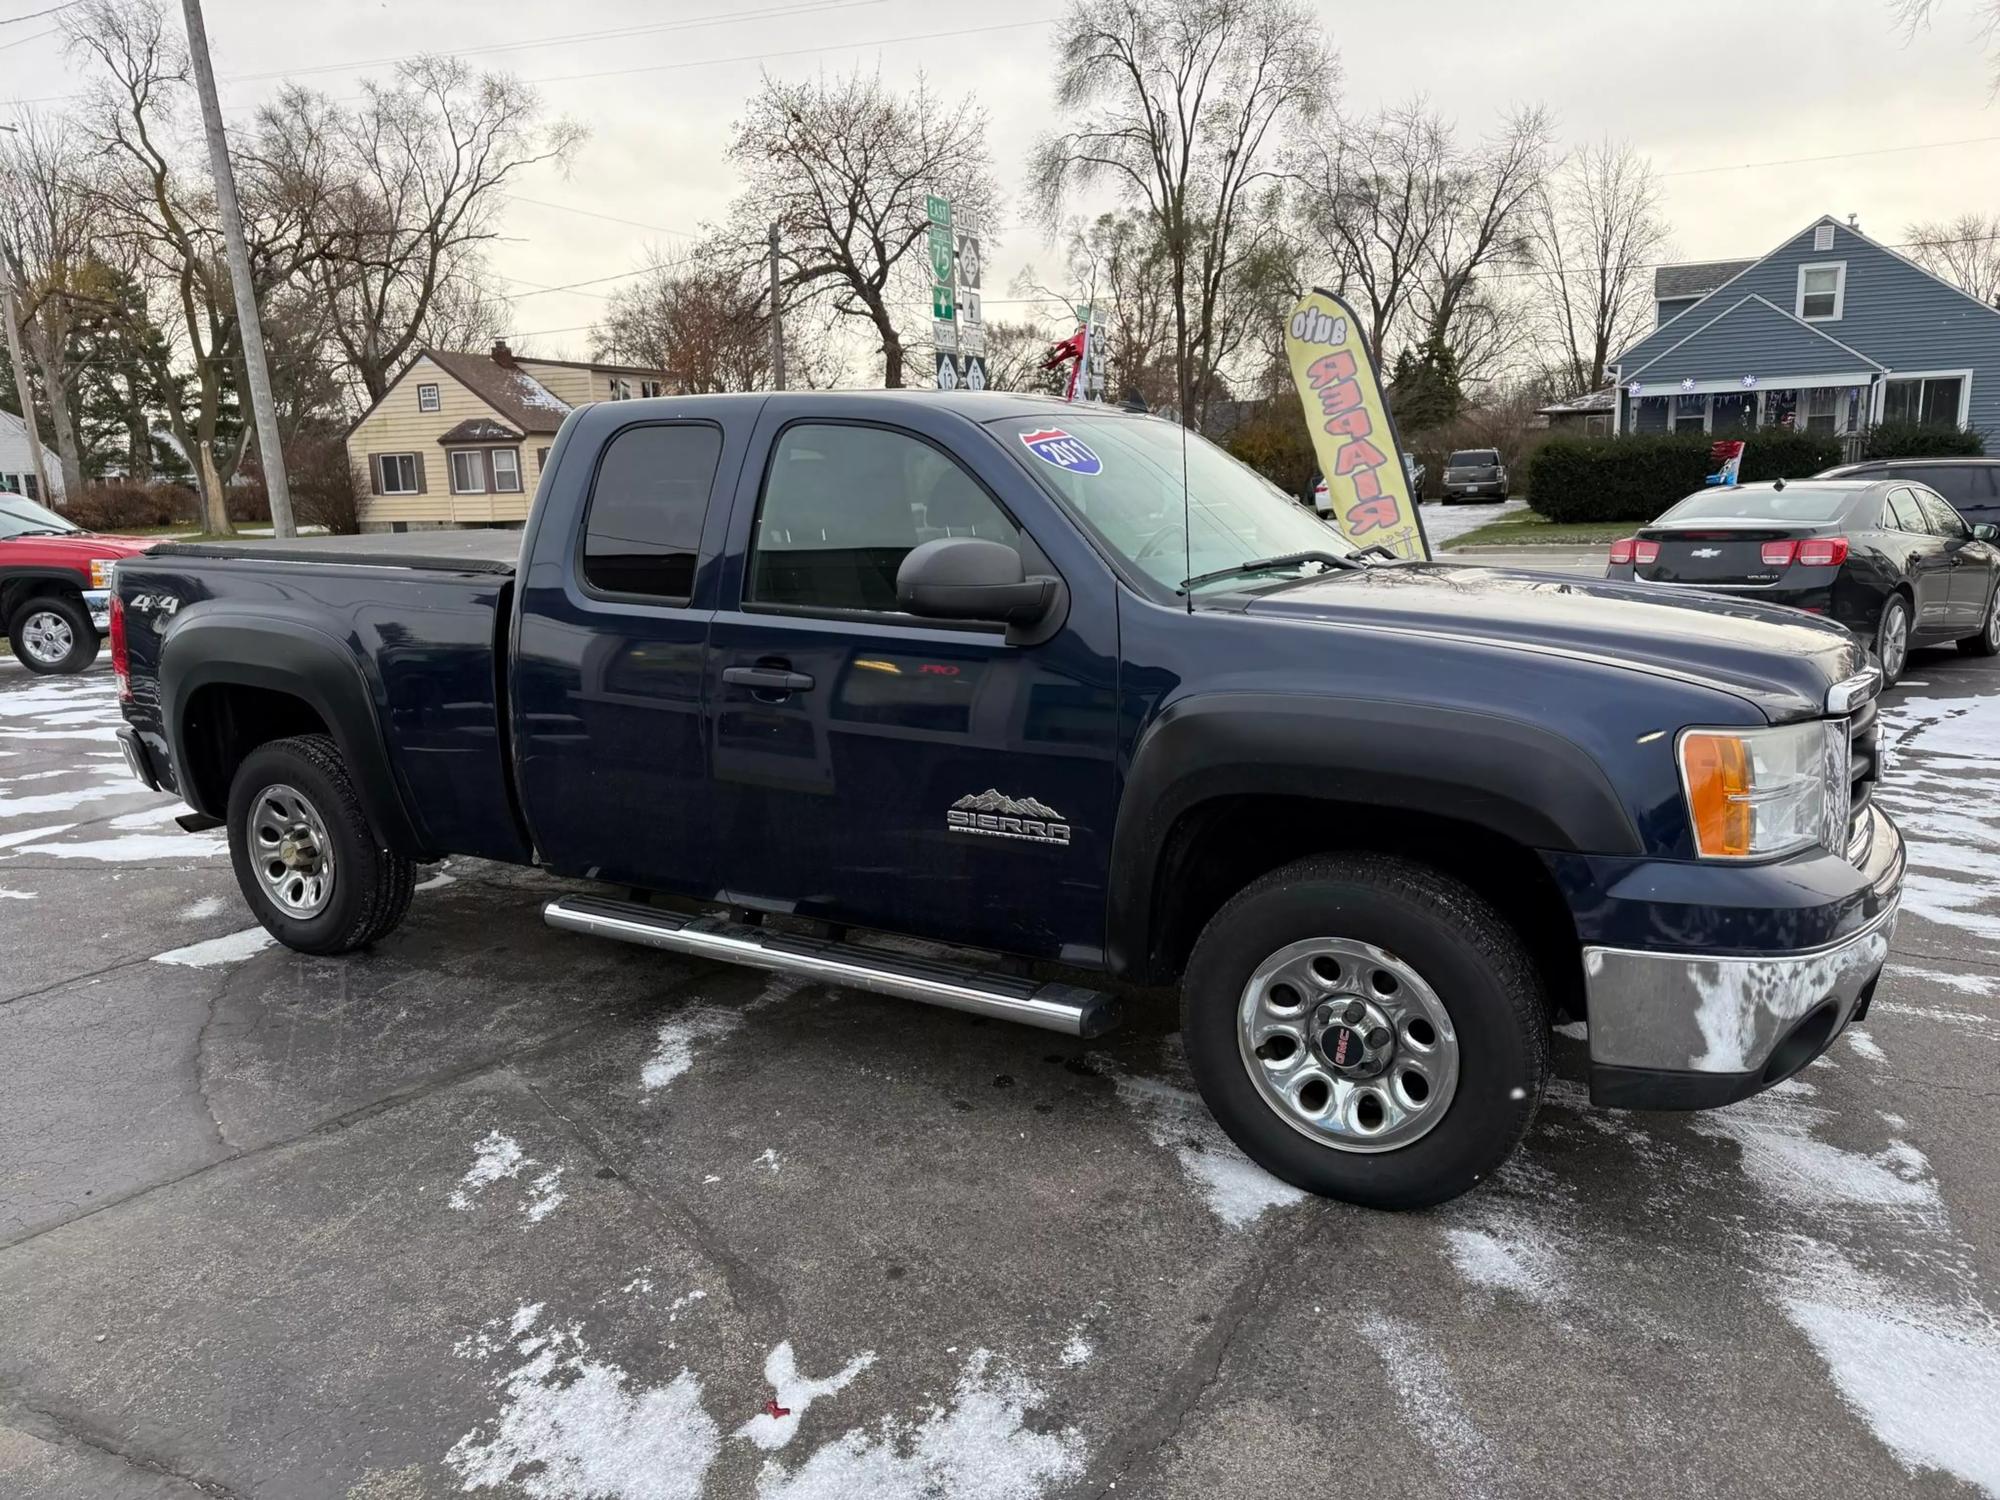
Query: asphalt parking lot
point(499, 1210)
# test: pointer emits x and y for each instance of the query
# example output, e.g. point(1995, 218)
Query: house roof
point(1695, 278)
point(479, 430)
point(516, 395)
point(1791, 346)
point(590, 364)
point(1602, 400)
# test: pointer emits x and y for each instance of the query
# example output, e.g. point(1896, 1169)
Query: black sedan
point(1886, 558)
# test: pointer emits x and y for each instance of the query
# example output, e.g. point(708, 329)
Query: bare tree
point(422, 167)
point(1594, 231)
point(44, 202)
point(844, 167)
point(1486, 193)
point(1965, 252)
point(708, 328)
point(1179, 106)
point(1014, 355)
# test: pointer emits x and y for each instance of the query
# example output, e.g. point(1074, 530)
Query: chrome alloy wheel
point(1895, 643)
point(47, 637)
point(291, 851)
point(1348, 1044)
point(1993, 620)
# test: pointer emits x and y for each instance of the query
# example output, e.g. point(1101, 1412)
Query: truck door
point(608, 656)
point(892, 772)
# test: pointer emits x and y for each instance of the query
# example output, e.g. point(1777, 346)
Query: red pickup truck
point(55, 585)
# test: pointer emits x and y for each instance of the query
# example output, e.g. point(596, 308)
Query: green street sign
point(939, 210)
point(942, 258)
point(942, 306)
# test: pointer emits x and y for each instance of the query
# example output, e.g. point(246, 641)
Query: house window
point(1780, 408)
point(1690, 413)
point(1733, 412)
point(541, 459)
point(1931, 400)
point(31, 486)
point(396, 474)
point(1830, 408)
point(621, 389)
point(427, 398)
point(468, 472)
point(1649, 414)
point(1822, 292)
point(506, 470)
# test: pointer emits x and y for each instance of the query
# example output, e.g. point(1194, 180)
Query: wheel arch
point(231, 681)
point(19, 585)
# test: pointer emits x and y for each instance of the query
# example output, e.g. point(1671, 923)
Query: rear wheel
point(1987, 642)
point(1892, 638)
point(306, 858)
point(53, 634)
point(1367, 1028)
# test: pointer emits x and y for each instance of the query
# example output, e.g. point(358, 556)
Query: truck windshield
point(20, 516)
point(1122, 476)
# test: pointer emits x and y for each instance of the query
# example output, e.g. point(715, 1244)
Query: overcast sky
point(1697, 86)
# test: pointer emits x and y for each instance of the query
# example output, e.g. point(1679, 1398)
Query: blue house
point(1830, 332)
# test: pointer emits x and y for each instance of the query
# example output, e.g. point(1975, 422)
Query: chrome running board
point(1053, 1007)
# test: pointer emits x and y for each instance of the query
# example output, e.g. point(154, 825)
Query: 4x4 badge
point(999, 816)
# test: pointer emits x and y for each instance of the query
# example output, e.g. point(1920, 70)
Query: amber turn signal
point(1719, 783)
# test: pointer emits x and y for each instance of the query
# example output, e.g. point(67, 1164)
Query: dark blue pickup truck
point(787, 673)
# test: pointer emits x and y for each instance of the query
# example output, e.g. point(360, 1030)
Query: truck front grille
point(1864, 769)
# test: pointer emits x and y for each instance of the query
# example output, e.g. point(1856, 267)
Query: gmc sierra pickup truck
point(786, 673)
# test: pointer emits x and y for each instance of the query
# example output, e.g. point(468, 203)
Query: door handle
point(768, 679)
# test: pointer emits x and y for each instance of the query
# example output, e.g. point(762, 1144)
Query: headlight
point(100, 572)
point(1758, 792)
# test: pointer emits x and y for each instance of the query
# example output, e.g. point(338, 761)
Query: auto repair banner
point(1352, 434)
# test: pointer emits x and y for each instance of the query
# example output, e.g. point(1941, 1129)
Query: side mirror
point(967, 578)
point(1986, 532)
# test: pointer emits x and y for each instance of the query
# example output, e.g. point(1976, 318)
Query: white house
point(17, 464)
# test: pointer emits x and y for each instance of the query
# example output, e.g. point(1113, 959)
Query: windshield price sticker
point(1054, 446)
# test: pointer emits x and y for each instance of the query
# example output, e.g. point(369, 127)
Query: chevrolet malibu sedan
point(1890, 560)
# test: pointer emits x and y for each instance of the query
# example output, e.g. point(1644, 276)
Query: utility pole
point(259, 375)
point(777, 323)
point(22, 390)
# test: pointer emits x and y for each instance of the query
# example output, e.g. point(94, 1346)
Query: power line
point(23, 41)
point(690, 23)
point(35, 15)
point(1793, 161)
point(591, 213)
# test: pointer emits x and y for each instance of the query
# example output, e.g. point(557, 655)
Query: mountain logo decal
point(994, 814)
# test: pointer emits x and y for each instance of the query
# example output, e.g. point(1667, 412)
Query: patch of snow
point(1077, 1352)
point(1429, 1400)
point(639, 1284)
point(1509, 1262)
point(683, 1302)
point(134, 848)
point(202, 910)
point(794, 1393)
point(769, 1158)
point(1865, 1044)
point(674, 1043)
point(977, 1448)
point(151, 817)
point(1237, 1189)
point(494, 1156)
point(572, 1425)
point(28, 835)
point(7, 895)
point(436, 882)
point(544, 1196)
point(1782, 1155)
point(1950, 903)
point(1965, 984)
point(229, 949)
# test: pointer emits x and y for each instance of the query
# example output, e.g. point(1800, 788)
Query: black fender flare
point(19, 583)
point(1519, 780)
point(217, 642)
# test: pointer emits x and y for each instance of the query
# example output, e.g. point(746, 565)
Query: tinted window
point(1944, 520)
point(1728, 503)
point(644, 527)
point(843, 505)
point(1961, 484)
point(1473, 458)
point(1905, 513)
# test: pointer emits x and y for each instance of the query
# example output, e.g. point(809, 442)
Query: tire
point(1893, 608)
point(299, 789)
point(1987, 641)
point(1401, 918)
point(52, 634)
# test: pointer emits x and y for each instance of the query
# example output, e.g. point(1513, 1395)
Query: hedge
point(1635, 478)
point(1910, 440)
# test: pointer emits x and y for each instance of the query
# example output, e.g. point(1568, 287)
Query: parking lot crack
point(754, 1295)
point(201, 1064)
point(50, 1425)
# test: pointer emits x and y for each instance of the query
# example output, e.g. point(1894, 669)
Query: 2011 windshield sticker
point(1054, 446)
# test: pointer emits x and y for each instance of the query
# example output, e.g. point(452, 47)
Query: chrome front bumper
point(98, 602)
point(1693, 1030)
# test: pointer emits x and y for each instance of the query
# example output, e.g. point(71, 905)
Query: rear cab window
point(642, 530)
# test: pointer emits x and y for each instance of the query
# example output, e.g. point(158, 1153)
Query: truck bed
point(444, 551)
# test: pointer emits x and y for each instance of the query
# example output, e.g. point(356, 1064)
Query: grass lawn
point(1526, 529)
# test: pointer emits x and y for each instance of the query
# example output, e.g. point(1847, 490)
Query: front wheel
point(306, 857)
point(1987, 642)
point(1892, 639)
point(1367, 1028)
point(53, 634)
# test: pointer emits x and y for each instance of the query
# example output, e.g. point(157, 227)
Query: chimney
point(503, 356)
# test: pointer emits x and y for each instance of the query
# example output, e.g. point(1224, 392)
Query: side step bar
point(1053, 1007)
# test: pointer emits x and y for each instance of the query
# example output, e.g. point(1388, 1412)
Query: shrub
point(1911, 440)
point(125, 506)
point(1635, 478)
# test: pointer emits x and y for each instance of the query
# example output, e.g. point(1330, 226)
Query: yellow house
point(460, 439)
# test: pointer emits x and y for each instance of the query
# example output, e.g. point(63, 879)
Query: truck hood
point(1780, 659)
point(78, 549)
